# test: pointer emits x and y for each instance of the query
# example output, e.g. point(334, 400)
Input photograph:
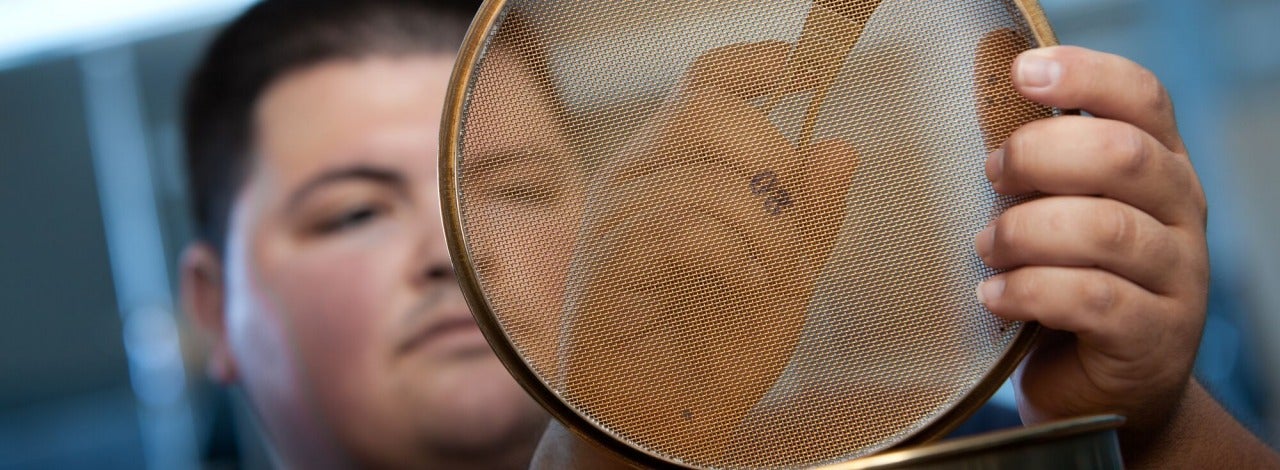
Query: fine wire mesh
point(729, 250)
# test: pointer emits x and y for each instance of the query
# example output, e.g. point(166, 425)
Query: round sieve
point(737, 234)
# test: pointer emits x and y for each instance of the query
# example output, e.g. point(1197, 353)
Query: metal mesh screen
point(739, 234)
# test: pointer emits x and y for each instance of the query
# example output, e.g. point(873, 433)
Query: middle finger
point(1078, 155)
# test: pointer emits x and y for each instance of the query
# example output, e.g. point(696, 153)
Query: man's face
point(343, 318)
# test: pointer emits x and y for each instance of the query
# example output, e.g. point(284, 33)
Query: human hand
point(706, 237)
point(1113, 257)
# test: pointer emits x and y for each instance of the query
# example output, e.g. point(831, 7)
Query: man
point(321, 275)
point(320, 271)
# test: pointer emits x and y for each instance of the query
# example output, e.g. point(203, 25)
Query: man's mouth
point(441, 324)
point(447, 334)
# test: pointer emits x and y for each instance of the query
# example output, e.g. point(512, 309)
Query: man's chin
point(477, 402)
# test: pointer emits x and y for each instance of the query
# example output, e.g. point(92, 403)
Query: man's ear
point(203, 301)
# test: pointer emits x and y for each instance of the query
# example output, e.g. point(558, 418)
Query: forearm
point(1201, 434)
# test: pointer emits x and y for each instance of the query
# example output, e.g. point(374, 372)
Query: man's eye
point(349, 219)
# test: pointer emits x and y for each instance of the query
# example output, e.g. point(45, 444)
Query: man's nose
point(434, 264)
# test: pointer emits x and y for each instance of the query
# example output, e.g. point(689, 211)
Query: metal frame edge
point(455, 101)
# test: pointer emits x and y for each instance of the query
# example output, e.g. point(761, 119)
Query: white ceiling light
point(30, 29)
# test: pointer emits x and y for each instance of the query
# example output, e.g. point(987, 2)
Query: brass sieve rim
point(471, 51)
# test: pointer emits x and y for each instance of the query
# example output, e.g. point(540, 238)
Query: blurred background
point(99, 370)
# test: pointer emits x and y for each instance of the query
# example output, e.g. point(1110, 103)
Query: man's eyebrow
point(373, 174)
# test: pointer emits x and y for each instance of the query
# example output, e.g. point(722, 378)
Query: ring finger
point(1082, 231)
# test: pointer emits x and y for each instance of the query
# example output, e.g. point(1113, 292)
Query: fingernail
point(986, 240)
point(995, 165)
point(990, 289)
point(1036, 69)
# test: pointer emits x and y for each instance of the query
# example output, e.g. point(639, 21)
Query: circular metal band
point(472, 50)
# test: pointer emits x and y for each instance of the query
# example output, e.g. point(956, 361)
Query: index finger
point(1105, 85)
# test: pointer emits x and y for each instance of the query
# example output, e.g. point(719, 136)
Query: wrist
point(1155, 438)
point(1200, 434)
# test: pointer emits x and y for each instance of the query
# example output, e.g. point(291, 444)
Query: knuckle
point(1154, 95)
point(1018, 148)
point(1188, 193)
point(1120, 229)
point(1008, 229)
point(1201, 206)
point(1098, 297)
point(1127, 150)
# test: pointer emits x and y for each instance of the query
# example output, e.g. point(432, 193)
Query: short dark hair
point(269, 41)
